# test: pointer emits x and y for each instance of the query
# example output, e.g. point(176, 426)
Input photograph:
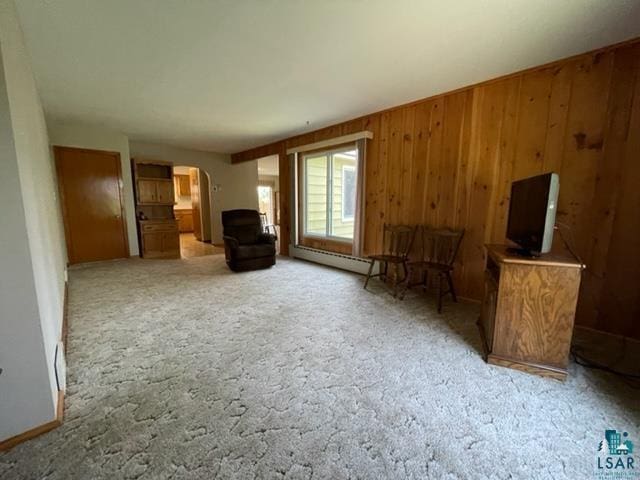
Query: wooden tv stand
point(528, 310)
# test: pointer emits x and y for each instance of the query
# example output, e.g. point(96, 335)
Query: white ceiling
point(228, 75)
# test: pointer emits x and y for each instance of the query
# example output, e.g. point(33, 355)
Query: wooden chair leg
point(406, 283)
point(451, 289)
point(425, 280)
point(395, 280)
point(366, 282)
point(440, 293)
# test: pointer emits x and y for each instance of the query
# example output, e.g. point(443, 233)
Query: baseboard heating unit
point(336, 260)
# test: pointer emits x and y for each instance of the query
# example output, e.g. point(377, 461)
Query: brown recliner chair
point(246, 246)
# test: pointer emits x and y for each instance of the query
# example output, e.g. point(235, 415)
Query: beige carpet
point(181, 369)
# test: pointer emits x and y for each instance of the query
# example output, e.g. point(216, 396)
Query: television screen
point(532, 212)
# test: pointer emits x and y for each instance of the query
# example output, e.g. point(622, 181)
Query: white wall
point(238, 183)
point(98, 138)
point(31, 244)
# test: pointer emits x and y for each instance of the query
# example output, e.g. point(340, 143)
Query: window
point(348, 193)
point(329, 193)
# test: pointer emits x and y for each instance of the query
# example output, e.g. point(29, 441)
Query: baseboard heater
point(337, 260)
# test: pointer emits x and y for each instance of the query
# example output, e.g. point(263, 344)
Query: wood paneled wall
point(449, 161)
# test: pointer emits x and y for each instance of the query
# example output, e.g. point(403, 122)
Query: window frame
point(315, 240)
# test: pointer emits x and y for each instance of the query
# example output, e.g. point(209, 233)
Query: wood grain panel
point(422, 118)
point(284, 177)
point(540, 301)
point(449, 160)
point(619, 300)
point(430, 207)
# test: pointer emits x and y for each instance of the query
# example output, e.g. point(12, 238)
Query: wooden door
point(195, 203)
point(165, 191)
point(90, 185)
point(147, 191)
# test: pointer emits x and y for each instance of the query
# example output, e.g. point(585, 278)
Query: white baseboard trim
point(336, 260)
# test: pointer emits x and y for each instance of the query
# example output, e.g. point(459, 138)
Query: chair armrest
point(231, 241)
point(230, 246)
point(267, 238)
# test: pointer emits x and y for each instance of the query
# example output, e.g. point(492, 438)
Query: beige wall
point(236, 184)
point(31, 244)
point(98, 138)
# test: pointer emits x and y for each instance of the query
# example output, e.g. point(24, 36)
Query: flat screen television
point(532, 213)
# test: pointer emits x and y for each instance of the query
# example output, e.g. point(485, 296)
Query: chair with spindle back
point(396, 243)
point(267, 227)
point(436, 253)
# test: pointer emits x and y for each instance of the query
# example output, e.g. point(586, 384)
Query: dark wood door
point(90, 184)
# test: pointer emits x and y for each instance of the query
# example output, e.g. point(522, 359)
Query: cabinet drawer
point(160, 227)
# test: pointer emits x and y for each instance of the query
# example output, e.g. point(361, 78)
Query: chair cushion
point(254, 251)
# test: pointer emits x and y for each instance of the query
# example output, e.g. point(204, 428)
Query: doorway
point(193, 212)
point(265, 201)
point(269, 194)
point(90, 187)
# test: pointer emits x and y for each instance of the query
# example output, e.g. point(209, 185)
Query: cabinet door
point(165, 191)
point(185, 185)
point(152, 243)
point(187, 222)
point(488, 312)
point(170, 242)
point(147, 191)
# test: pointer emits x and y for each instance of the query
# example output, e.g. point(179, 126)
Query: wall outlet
point(66, 275)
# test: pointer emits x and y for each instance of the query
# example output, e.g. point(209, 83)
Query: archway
point(193, 211)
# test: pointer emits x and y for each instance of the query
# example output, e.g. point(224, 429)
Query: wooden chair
point(268, 227)
point(437, 253)
point(396, 243)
